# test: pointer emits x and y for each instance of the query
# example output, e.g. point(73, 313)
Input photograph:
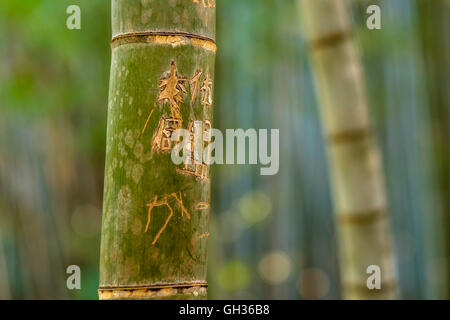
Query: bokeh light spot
point(275, 267)
point(255, 206)
point(234, 276)
point(86, 221)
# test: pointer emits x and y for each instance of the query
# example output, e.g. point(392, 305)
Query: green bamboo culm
point(155, 224)
point(361, 209)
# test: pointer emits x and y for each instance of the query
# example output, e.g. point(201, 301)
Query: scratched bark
point(155, 213)
point(357, 177)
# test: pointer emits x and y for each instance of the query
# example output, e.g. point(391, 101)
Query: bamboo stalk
point(155, 213)
point(434, 35)
point(4, 276)
point(360, 204)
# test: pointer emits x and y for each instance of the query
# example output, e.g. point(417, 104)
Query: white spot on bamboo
point(124, 198)
point(138, 150)
point(129, 140)
point(137, 172)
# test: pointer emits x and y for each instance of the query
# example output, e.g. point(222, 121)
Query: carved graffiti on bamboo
point(162, 141)
point(202, 206)
point(166, 200)
point(206, 4)
point(205, 235)
point(172, 87)
point(196, 165)
point(195, 84)
point(207, 92)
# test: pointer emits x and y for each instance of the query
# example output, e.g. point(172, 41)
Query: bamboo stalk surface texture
point(155, 213)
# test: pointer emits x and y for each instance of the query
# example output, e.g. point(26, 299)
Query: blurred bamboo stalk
point(4, 279)
point(36, 221)
point(434, 35)
point(360, 203)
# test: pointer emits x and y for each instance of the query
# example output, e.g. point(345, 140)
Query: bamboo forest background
point(271, 237)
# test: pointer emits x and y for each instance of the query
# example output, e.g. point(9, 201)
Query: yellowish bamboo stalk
point(360, 204)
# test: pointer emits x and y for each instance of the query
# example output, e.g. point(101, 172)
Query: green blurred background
point(271, 237)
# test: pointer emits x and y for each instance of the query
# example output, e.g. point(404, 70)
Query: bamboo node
point(153, 292)
point(168, 38)
point(363, 217)
point(331, 39)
